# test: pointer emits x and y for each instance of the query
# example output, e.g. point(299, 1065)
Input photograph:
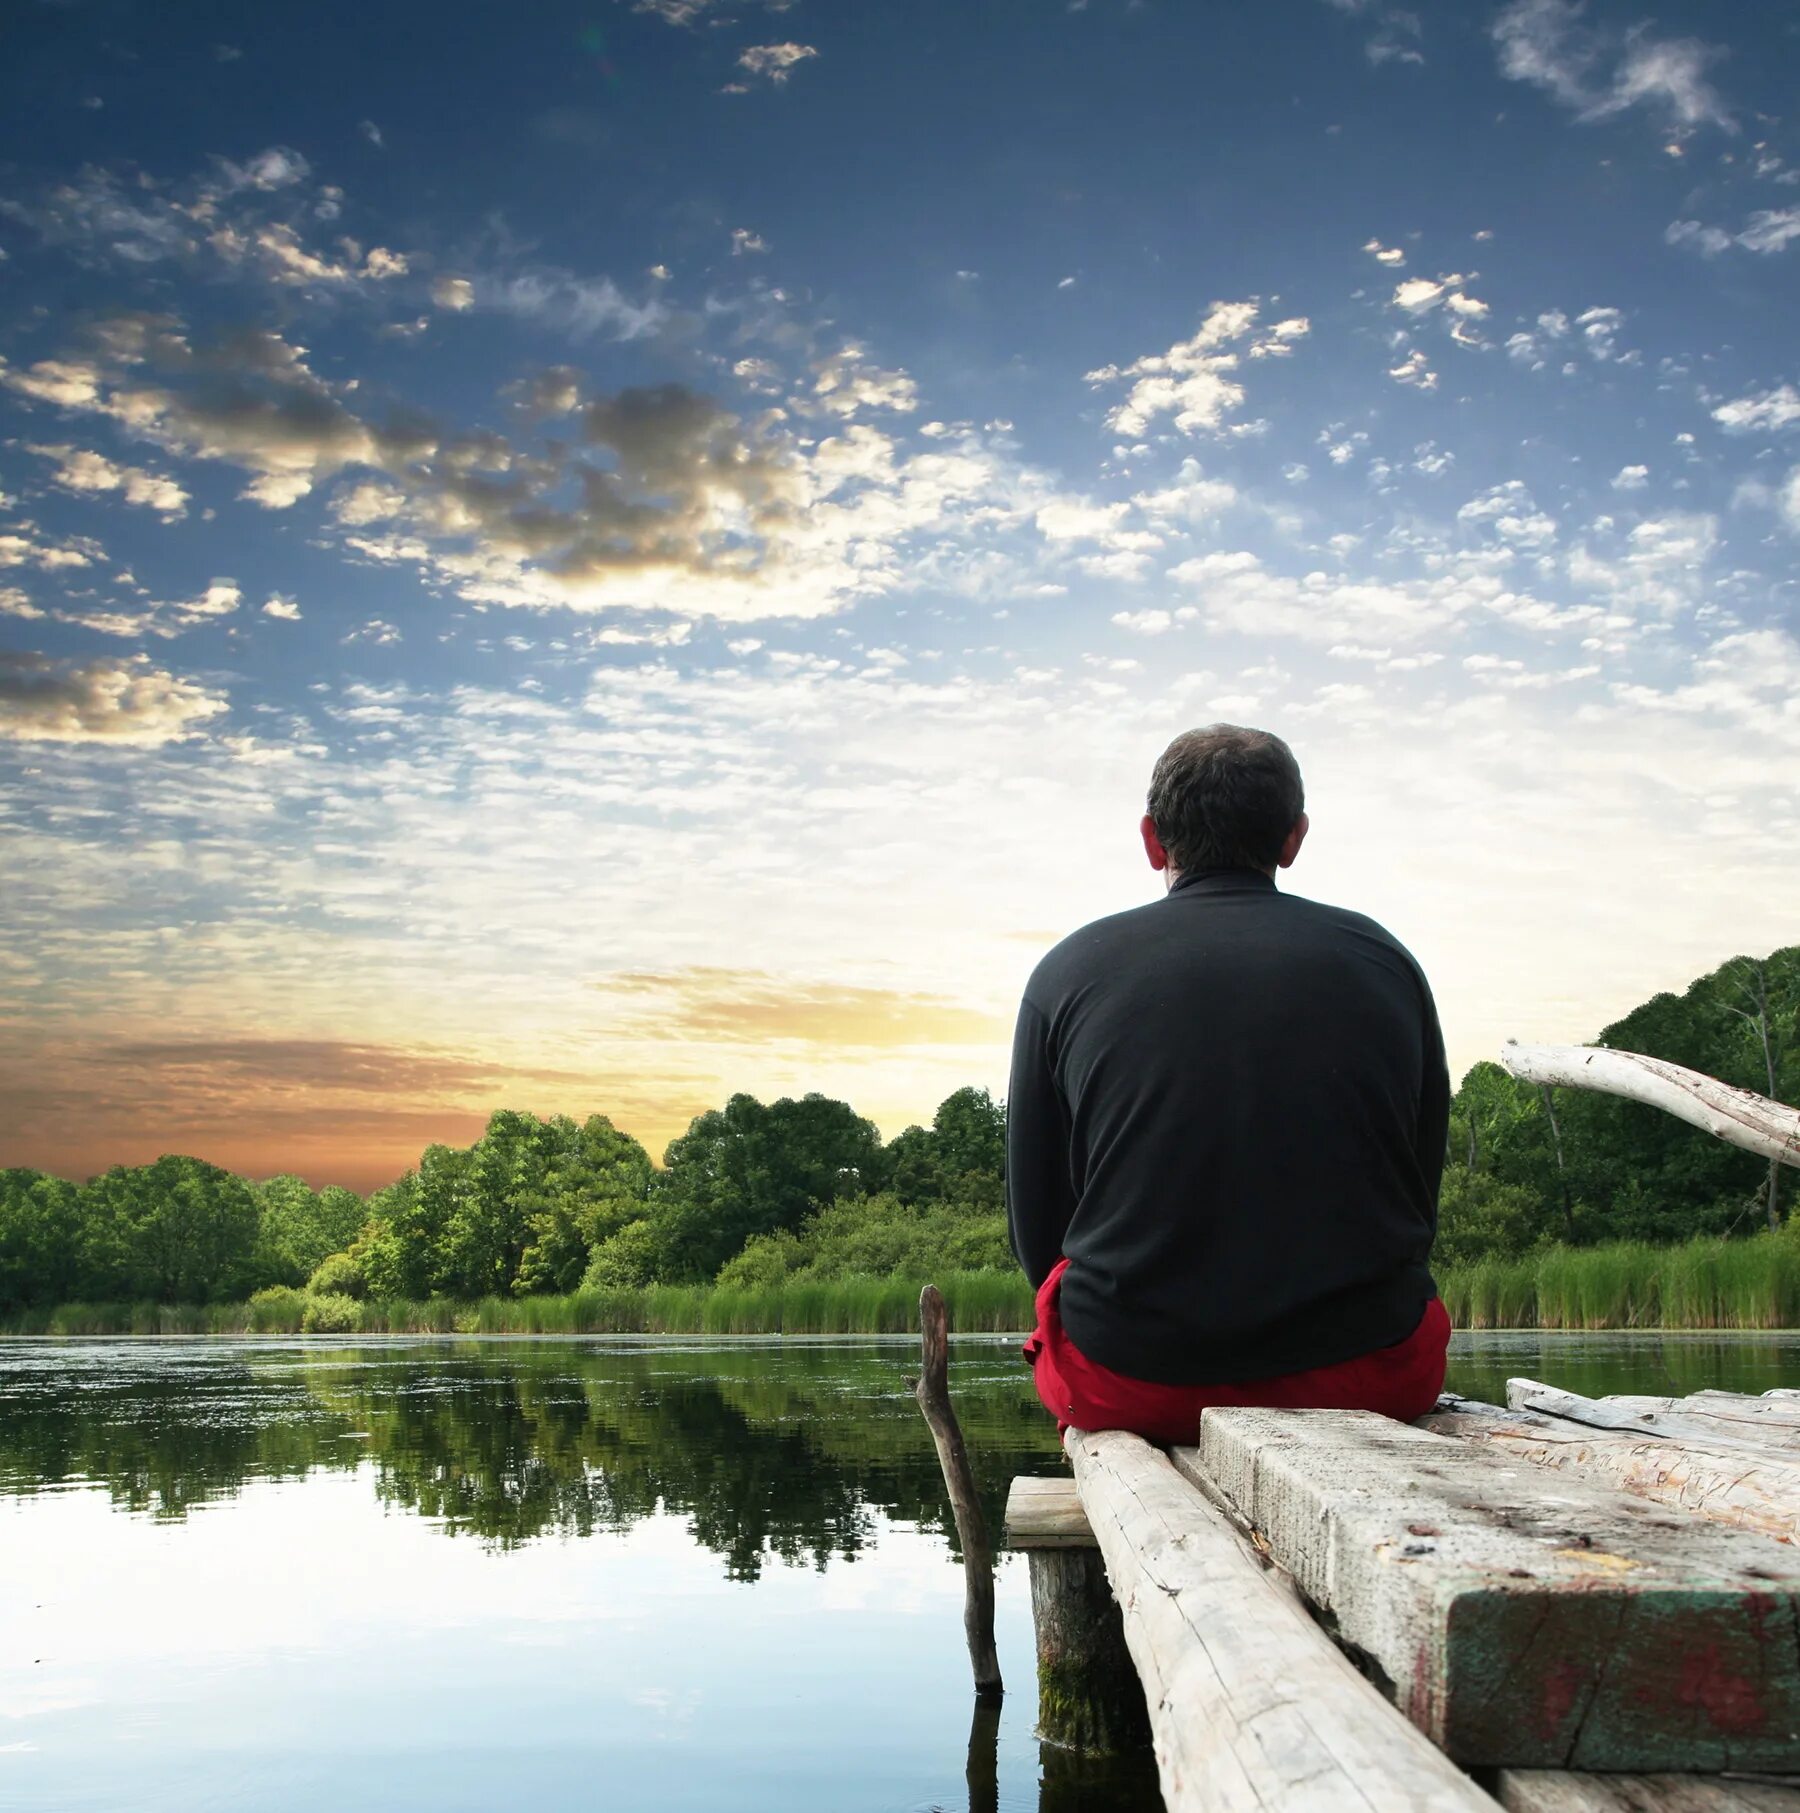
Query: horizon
point(650, 553)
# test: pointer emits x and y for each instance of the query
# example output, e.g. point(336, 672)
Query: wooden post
point(1089, 1695)
point(932, 1389)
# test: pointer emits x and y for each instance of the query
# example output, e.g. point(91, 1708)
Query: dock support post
point(1089, 1696)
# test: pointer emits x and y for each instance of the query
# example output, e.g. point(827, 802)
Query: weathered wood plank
point(1738, 1116)
point(1251, 1705)
point(1525, 1621)
point(1725, 1484)
point(1560, 1791)
point(1046, 1514)
point(1723, 1422)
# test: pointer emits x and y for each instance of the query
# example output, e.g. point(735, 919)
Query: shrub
point(331, 1314)
point(341, 1275)
point(280, 1310)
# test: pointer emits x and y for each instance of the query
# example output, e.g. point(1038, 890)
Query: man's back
point(1228, 1109)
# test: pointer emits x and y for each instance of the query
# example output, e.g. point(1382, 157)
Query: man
point(1226, 1128)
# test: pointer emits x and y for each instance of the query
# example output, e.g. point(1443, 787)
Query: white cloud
point(80, 470)
point(1631, 478)
point(1413, 372)
point(1767, 231)
point(121, 702)
point(1709, 242)
point(1597, 73)
point(1388, 255)
point(774, 62)
point(1144, 623)
point(744, 241)
point(1190, 382)
point(454, 293)
point(1770, 229)
point(845, 382)
point(1774, 409)
point(282, 608)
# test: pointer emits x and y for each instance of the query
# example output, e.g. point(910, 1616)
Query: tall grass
point(977, 1302)
point(1706, 1283)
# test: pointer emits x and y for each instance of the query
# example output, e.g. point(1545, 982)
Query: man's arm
point(1434, 1103)
point(1039, 1200)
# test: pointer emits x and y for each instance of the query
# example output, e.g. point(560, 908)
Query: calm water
point(583, 1573)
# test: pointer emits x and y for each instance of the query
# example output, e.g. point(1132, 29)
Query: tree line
point(1529, 1168)
point(759, 1193)
point(801, 1187)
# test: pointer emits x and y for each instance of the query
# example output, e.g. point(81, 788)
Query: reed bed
point(1706, 1283)
point(977, 1302)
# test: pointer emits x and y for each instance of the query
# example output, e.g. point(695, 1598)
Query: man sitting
point(1225, 1130)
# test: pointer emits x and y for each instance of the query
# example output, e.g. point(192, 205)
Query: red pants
point(1402, 1381)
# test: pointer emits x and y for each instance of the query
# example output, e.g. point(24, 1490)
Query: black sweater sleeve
point(1434, 1103)
point(1040, 1201)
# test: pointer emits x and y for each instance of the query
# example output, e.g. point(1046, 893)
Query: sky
point(592, 558)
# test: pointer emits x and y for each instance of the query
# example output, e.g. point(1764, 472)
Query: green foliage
point(176, 1231)
point(298, 1226)
point(1624, 1172)
point(627, 1260)
point(983, 1302)
point(752, 1168)
point(42, 1240)
point(339, 1275)
point(279, 1310)
point(331, 1314)
point(1707, 1282)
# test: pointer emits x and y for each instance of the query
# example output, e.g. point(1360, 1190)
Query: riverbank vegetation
point(1560, 1209)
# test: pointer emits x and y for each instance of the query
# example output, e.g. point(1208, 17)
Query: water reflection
point(608, 1506)
point(768, 1451)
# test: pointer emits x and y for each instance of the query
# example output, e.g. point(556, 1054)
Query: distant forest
point(799, 1190)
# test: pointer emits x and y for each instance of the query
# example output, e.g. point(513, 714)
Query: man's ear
point(1291, 844)
point(1153, 848)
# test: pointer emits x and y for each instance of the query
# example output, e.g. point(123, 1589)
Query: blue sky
point(595, 558)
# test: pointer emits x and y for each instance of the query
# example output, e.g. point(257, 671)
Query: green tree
point(751, 1168)
point(299, 1226)
point(42, 1244)
point(176, 1231)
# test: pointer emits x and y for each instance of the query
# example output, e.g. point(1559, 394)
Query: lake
point(623, 1574)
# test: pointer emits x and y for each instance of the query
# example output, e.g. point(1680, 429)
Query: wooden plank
point(1251, 1705)
point(1046, 1514)
point(1728, 1423)
point(1738, 1116)
point(1525, 1621)
point(1727, 1485)
point(1560, 1791)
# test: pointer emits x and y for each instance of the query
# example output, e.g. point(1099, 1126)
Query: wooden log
point(1726, 1485)
point(1560, 1791)
point(1251, 1705)
point(1523, 1621)
point(932, 1390)
point(1671, 1419)
point(1089, 1697)
point(1738, 1116)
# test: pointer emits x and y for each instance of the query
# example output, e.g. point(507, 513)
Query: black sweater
point(1229, 1110)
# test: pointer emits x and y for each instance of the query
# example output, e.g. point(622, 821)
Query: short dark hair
point(1224, 797)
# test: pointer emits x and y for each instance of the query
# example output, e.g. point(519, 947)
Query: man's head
point(1224, 798)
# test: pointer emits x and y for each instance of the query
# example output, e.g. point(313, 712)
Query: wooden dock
point(1562, 1605)
point(1565, 1605)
